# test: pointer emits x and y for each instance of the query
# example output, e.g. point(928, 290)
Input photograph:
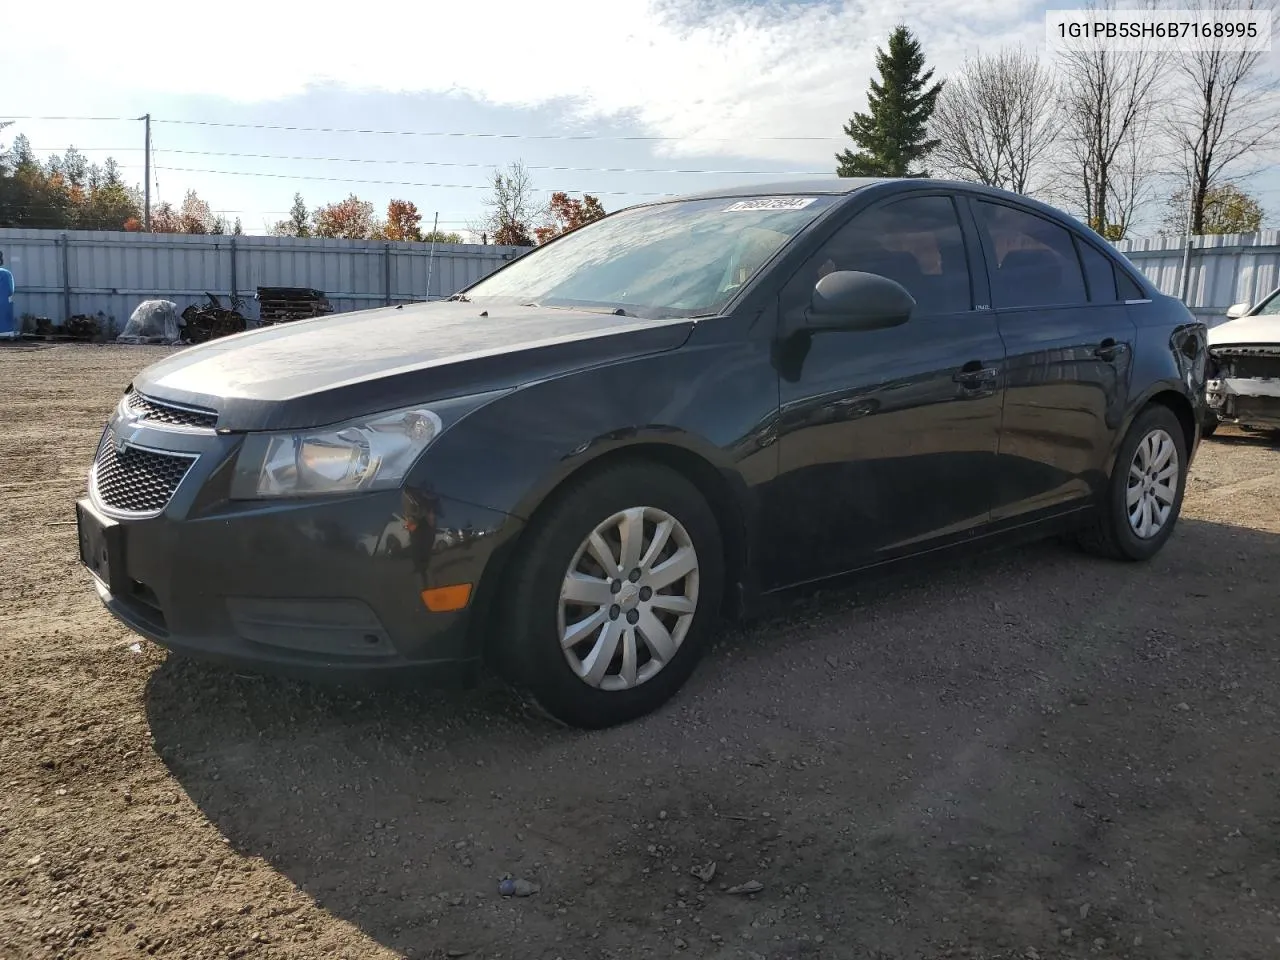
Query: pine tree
point(893, 134)
point(299, 219)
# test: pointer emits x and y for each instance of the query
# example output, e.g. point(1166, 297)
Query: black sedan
point(572, 469)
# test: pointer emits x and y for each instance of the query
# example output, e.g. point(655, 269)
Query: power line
point(401, 183)
point(442, 133)
point(448, 163)
point(78, 119)
point(491, 136)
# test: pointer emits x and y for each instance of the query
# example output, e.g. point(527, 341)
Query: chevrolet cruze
point(570, 470)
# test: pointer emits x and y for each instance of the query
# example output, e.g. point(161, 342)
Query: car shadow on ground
point(1027, 749)
point(1236, 436)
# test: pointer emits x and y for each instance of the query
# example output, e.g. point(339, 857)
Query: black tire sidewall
point(533, 640)
point(1130, 544)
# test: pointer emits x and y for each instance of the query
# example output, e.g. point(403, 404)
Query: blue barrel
point(8, 319)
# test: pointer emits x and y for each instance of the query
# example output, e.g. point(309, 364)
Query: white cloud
point(719, 76)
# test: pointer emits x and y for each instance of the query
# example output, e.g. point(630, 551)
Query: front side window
point(686, 258)
point(1035, 259)
point(916, 241)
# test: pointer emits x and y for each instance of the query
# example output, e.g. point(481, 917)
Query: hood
point(306, 373)
point(1246, 330)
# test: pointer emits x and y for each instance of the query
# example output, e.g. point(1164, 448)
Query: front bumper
point(329, 589)
point(1244, 386)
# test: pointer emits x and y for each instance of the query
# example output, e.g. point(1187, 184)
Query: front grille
point(1250, 368)
point(139, 481)
point(153, 411)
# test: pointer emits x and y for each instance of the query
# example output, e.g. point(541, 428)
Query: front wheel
point(1144, 496)
point(613, 595)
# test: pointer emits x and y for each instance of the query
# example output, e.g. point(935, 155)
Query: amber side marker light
point(447, 599)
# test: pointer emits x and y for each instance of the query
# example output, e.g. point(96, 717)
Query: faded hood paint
point(311, 372)
point(1246, 330)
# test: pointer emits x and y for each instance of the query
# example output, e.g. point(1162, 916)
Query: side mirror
point(1237, 310)
point(852, 300)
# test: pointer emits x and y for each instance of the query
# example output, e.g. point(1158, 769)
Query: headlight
point(372, 453)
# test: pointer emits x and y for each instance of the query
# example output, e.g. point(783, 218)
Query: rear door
point(887, 437)
point(1069, 347)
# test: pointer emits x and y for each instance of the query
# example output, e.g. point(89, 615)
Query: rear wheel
point(1144, 496)
point(613, 595)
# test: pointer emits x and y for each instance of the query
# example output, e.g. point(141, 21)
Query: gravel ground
point(1031, 754)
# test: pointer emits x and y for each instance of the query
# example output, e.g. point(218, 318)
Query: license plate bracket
point(101, 546)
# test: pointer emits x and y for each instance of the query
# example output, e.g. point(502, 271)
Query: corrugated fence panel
point(1225, 269)
point(111, 273)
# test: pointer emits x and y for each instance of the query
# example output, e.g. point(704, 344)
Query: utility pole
point(1186, 251)
point(146, 172)
point(435, 225)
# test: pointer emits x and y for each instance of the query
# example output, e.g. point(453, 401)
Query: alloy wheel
point(628, 598)
point(1153, 484)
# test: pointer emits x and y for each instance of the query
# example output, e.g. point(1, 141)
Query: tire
point(1209, 427)
point(1110, 532)
point(565, 685)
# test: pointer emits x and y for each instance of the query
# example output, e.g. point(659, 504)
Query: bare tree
point(1108, 102)
point(511, 210)
point(1222, 111)
point(996, 121)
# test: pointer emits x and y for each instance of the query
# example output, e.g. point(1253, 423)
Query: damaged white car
point(1243, 387)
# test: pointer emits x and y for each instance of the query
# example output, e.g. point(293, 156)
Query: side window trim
point(989, 254)
point(966, 240)
point(976, 251)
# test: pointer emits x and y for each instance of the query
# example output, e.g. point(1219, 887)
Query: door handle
point(973, 373)
point(1108, 349)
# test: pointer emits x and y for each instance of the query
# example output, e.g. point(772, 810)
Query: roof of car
point(829, 185)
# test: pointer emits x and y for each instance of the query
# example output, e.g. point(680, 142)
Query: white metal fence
point(1225, 269)
point(64, 273)
point(59, 274)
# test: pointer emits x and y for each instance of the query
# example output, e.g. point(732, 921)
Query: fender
point(706, 408)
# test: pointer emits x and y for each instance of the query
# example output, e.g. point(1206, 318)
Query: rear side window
point(1099, 273)
point(1035, 262)
point(1128, 289)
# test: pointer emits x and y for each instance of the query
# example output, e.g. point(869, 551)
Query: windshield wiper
point(461, 298)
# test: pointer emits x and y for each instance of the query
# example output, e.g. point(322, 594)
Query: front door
point(887, 437)
point(1070, 345)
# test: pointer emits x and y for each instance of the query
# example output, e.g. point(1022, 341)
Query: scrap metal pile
point(206, 321)
point(80, 327)
point(280, 304)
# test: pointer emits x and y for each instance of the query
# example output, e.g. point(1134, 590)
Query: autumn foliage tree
point(192, 216)
point(349, 219)
point(402, 221)
point(566, 213)
point(196, 216)
point(164, 218)
point(510, 210)
point(64, 192)
point(1226, 209)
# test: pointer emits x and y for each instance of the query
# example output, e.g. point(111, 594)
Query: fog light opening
point(447, 599)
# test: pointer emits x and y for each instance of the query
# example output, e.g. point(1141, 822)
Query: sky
point(625, 99)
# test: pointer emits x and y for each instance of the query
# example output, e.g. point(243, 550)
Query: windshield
point(680, 259)
point(1270, 307)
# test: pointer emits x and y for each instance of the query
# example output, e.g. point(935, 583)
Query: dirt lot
point(1029, 755)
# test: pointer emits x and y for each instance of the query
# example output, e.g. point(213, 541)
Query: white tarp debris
point(153, 321)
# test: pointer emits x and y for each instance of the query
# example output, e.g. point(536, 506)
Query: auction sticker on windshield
point(771, 203)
